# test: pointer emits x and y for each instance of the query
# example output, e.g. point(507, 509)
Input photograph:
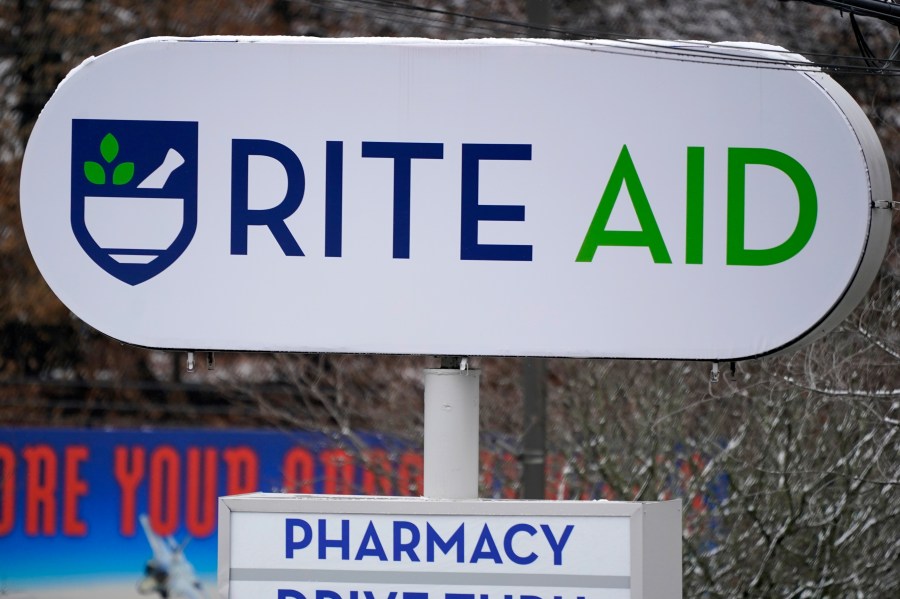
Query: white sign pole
point(451, 432)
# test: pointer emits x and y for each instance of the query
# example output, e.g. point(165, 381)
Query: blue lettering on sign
point(508, 544)
point(371, 545)
point(403, 155)
point(473, 212)
point(557, 545)
point(290, 542)
point(342, 542)
point(407, 540)
point(334, 198)
point(486, 548)
point(242, 217)
point(433, 539)
point(408, 547)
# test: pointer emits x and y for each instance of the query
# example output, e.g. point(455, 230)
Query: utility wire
point(879, 9)
point(888, 12)
point(866, 50)
point(592, 41)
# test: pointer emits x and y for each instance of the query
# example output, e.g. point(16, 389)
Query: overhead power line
point(879, 9)
point(469, 24)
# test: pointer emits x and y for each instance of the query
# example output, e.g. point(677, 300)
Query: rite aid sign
point(277, 546)
point(454, 198)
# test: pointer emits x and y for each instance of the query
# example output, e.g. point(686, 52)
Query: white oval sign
point(454, 198)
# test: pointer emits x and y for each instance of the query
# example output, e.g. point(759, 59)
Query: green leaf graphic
point(123, 173)
point(109, 147)
point(94, 173)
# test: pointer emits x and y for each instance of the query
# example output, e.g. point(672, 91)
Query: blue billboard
point(94, 513)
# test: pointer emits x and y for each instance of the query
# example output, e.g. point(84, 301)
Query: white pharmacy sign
point(482, 197)
point(275, 546)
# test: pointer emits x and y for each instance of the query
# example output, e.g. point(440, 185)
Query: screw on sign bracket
point(886, 204)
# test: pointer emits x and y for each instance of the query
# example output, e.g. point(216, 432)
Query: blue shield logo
point(134, 193)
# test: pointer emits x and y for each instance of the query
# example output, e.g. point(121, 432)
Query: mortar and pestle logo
point(134, 203)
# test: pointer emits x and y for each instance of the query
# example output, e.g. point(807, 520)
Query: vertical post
point(538, 13)
point(451, 431)
point(534, 370)
point(534, 408)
